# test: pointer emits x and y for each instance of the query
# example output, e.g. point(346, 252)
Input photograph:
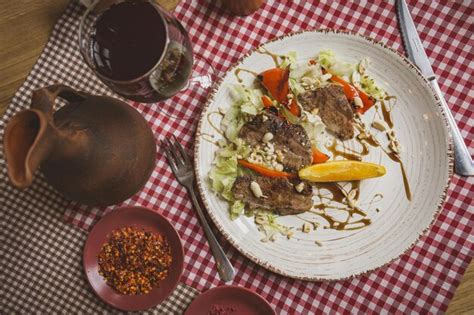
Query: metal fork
point(184, 172)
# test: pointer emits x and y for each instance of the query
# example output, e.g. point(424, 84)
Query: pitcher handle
point(44, 99)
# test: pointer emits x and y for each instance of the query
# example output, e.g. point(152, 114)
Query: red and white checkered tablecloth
point(423, 280)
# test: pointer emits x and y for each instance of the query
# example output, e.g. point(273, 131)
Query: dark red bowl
point(140, 218)
point(234, 299)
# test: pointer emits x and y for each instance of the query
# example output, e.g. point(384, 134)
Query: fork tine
point(169, 156)
point(174, 153)
point(181, 150)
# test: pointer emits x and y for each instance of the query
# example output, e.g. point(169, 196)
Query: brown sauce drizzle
point(209, 138)
point(365, 147)
point(370, 139)
point(208, 117)
point(344, 154)
point(387, 117)
point(337, 194)
point(343, 225)
point(365, 142)
point(373, 199)
point(239, 70)
point(276, 58)
point(396, 158)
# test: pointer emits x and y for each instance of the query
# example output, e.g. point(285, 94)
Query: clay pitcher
point(95, 150)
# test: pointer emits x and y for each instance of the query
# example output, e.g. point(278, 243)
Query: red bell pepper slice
point(262, 170)
point(276, 82)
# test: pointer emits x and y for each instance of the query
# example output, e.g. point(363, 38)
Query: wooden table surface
point(25, 26)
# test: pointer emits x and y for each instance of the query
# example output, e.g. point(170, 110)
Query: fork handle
point(224, 267)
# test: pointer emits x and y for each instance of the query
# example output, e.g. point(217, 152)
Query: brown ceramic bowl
point(140, 218)
point(230, 299)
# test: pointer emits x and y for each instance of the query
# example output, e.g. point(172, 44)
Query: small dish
point(229, 300)
point(141, 218)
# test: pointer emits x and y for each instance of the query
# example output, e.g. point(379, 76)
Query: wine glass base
point(188, 102)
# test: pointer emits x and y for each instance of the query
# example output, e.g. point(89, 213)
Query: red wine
point(129, 49)
point(129, 40)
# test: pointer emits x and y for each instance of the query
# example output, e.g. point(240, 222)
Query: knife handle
point(463, 164)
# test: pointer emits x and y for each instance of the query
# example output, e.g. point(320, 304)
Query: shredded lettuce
point(304, 70)
point(236, 209)
point(289, 60)
point(304, 74)
point(232, 123)
point(267, 224)
point(247, 101)
point(369, 86)
point(295, 86)
point(327, 59)
point(316, 130)
point(289, 116)
point(225, 169)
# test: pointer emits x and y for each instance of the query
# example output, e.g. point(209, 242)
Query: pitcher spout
point(27, 142)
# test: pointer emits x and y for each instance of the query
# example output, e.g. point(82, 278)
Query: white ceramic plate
point(421, 128)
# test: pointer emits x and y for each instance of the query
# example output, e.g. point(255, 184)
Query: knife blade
point(463, 164)
point(412, 42)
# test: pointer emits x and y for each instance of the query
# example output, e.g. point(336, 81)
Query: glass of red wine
point(143, 53)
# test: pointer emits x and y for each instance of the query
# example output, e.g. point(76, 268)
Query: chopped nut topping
point(290, 234)
point(394, 144)
point(351, 201)
point(256, 190)
point(306, 227)
point(267, 137)
point(358, 102)
point(379, 125)
point(300, 187)
point(279, 156)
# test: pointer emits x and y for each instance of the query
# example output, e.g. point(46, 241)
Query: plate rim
point(268, 265)
point(181, 262)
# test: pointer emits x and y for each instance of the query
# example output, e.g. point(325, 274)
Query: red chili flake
point(133, 261)
point(218, 309)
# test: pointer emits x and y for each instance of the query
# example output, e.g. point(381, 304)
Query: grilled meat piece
point(291, 140)
point(279, 194)
point(334, 109)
